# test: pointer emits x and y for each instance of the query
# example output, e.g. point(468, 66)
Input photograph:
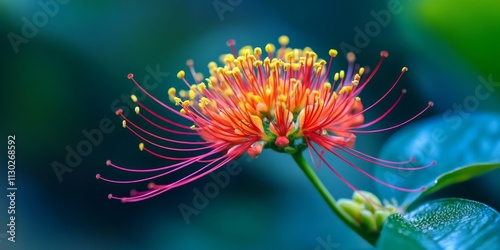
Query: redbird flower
point(283, 99)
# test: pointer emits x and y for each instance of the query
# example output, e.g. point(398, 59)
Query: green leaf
point(443, 224)
point(463, 146)
point(459, 175)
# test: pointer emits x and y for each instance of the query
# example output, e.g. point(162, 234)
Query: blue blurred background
point(64, 68)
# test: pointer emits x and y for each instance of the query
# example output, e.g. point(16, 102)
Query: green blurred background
point(70, 76)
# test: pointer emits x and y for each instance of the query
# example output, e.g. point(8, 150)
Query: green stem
point(346, 218)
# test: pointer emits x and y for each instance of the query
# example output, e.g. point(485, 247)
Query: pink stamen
point(395, 126)
point(364, 172)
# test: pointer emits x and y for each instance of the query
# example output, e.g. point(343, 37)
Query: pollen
point(133, 98)
point(345, 89)
point(193, 127)
point(245, 50)
point(202, 87)
point(171, 92)
point(327, 86)
point(192, 94)
point(333, 52)
point(229, 58)
point(181, 74)
point(124, 124)
point(270, 48)
point(283, 40)
point(141, 146)
point(177, 101)
point(137, 110)
point(257, 51)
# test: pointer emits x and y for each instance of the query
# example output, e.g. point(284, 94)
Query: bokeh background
point(70, 76)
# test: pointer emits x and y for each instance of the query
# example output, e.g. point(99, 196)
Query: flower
point(280, 99)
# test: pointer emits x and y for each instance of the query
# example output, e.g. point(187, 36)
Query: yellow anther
point(124, 124)
point(183, 93)
point(183, 111)
point(257, 63)
point(212, 65)
point(193, 127)
point(192, 94)
point(345, 89)
point(229, 58)
point(357, 77)
point(257, 98)
point(296, 66)
point(171, 92)
point(270, 48)
point(202, 87)
point(257, 51)
point(322, 62)
point(272, 65)
point(181, 74)
point(309, 62)
point(137, 110)
point(315, 92)
point(236, 71)
point(268, 91)
point(204, 102)
point(177, 100)
point(141, 146)
point(404, 69)
point(267, 61)
point(361, 71)
point(186, 103)
point(327, 86)
point(245, 50)
point(357, 98)
point(355, 82)
point(133, 98)
point(283, 40)
point(333, 52)
point(336, 77)
point(286, 66)
point(342, 74)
